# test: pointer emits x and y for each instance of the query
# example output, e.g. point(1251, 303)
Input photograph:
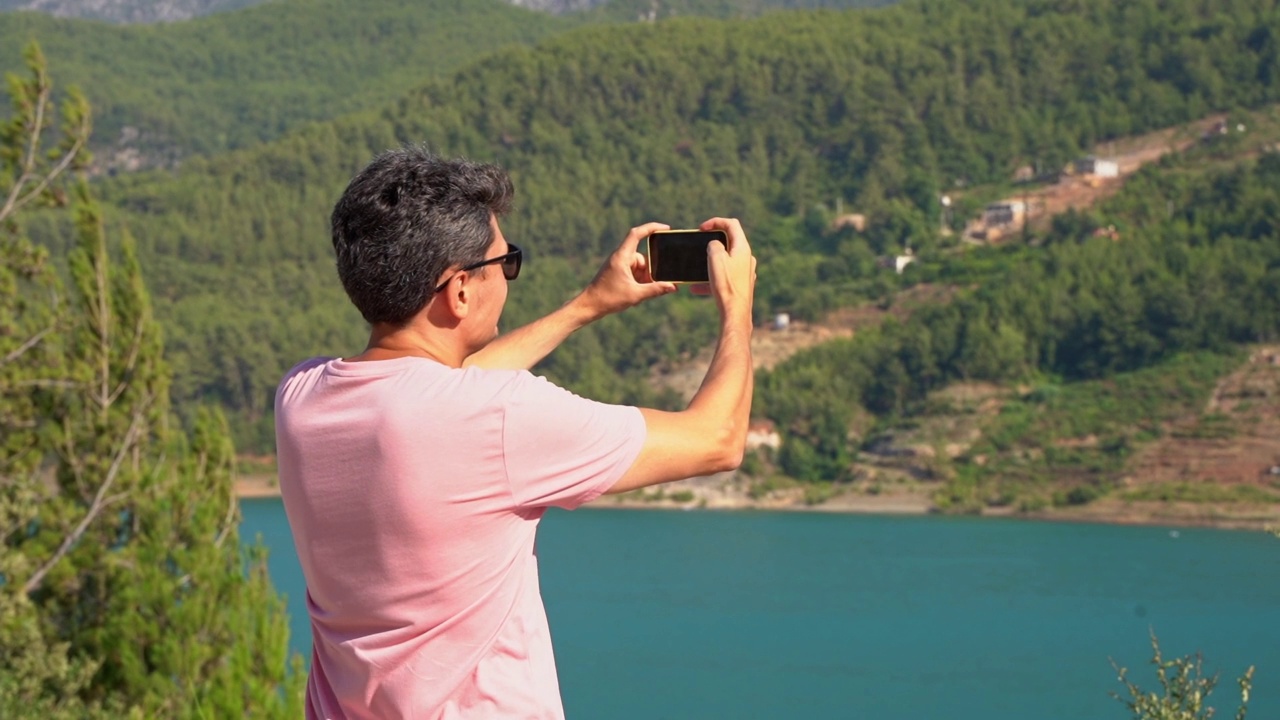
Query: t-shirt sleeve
point(562, 450)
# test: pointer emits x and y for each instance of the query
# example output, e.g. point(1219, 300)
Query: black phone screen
point(681, 255)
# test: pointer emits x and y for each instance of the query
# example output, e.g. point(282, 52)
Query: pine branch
point(12, 203)
point(100, 502)
point(130, 362)
point(46, 383)
point(100, 321)
point(18, 195)
point(24, 347)
point(73, 459)
point(228, 522)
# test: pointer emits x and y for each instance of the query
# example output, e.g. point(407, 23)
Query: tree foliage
point(1183, 689)
point(235, 79)
point(123, 589)
point(784, 120)
point(1202, 277)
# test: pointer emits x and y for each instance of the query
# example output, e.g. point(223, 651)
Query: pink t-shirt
point(414, 491)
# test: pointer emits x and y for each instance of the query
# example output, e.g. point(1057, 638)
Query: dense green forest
point(164, 92)
point(779, 120)
point(127, 11)
point(124, 587)
point(235, 79)
point(1159, 313)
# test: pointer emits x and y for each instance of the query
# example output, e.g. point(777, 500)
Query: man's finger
point(732, 228)
point(640, 268)
point(639, 232)
point(657, 289)
point(717, 256)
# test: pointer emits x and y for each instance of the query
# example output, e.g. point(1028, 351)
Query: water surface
point(660, 614)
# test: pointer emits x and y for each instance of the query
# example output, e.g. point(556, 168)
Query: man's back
point(414, 491)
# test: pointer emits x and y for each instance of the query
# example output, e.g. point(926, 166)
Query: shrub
point(1184, 690)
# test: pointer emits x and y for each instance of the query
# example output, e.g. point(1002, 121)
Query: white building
point(1003, 213)
point(1098, 167)
point(762, 434)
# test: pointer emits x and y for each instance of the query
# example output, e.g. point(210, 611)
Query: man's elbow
point(731, 449)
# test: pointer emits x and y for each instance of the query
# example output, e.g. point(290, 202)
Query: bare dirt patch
point(1230, 516)
point(257, 486)
point(771, 346)
point(1235, 440)
point(1077, 192)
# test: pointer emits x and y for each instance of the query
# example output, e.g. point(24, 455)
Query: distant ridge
point(127, 11)
point(164, 92)
point(557, 7)
point(143, 12)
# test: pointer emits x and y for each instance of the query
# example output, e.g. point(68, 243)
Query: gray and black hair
point(404, 220)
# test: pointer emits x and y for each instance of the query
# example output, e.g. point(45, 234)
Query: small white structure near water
point(1098, 167)
point(763, 434)
point(1003, 213)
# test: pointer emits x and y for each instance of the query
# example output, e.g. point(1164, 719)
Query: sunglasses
point(510, 266)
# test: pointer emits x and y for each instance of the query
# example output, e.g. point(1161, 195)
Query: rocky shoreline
point(724, 493)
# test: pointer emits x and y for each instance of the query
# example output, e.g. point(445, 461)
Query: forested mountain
point(650, 10)
point(152, 11)
point(166, 91)
point(1196, 269)
point(127, 11)
point(775, 120)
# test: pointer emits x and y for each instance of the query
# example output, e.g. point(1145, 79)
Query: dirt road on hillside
point(1078, 192)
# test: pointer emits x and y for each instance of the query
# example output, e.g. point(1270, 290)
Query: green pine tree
point(123, 588)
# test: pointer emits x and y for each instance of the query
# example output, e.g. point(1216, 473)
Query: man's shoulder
point(300, 375)
point(310, 366)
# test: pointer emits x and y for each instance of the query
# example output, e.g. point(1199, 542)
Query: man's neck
point(387, 343)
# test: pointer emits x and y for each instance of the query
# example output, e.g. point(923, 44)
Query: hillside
point(127, 11)
point(781, 121)
point(164, 92)
point(1207, 453)
point(254, 70)
point(168, 11)
point(1118, 366)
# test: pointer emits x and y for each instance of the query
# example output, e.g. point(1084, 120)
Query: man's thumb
point(658, 289)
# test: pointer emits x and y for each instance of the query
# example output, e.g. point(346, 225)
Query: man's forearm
point(710, 435)
point(524, 347)
point(725, 393)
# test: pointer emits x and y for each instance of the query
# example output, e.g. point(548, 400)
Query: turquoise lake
point(808, 615)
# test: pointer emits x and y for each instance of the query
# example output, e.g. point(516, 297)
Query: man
point(415, 473)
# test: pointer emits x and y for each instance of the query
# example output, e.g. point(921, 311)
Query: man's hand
point(732, 271)
point(710, 435)
point(624, 281)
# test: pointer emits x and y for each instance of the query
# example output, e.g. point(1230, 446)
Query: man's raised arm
point(622, 282)
point(710, 435)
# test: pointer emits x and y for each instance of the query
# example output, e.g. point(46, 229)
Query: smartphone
point(680, 256)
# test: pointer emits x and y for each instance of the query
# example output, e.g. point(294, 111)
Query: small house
point(1004, 213)
point(857, 221)
point(1098, 167)
point(901, 262)
point(762, 433)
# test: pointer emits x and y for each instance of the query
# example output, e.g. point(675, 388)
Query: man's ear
point(457, 296)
